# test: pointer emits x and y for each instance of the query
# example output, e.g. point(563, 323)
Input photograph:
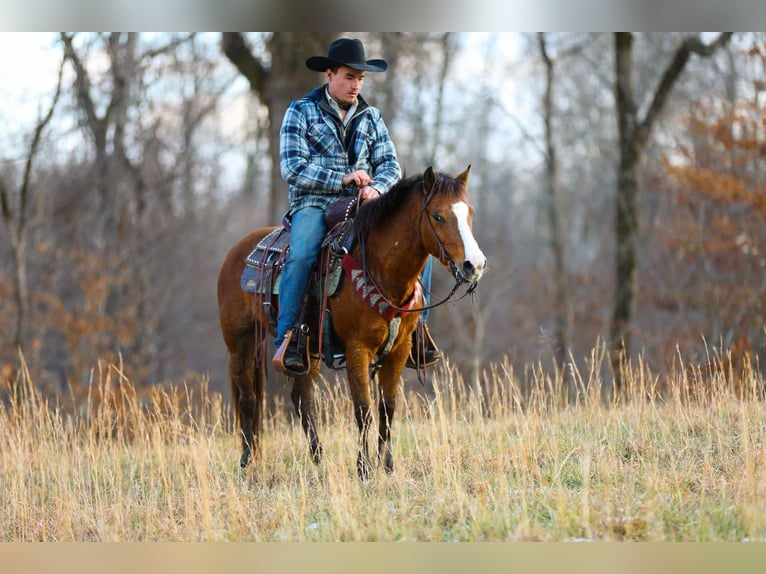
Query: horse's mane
point(383, 208)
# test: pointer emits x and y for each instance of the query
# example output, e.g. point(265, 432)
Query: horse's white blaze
point(473, 252)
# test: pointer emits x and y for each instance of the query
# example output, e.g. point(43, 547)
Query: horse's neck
point(395, 257)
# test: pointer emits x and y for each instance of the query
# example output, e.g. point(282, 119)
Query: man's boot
point(288, 359)
point(424, 352)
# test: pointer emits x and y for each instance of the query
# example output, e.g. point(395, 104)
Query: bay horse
point(394, 234)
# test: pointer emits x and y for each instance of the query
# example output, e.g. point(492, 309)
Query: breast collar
point(372, 295)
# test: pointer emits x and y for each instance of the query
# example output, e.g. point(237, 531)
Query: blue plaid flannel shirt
point(316, 150)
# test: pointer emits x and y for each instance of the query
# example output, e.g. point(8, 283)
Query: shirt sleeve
point(295, 157)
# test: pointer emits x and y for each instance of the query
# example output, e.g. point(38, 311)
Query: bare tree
point(562, 307)
point(106, 129)
point(17, 220)
point(147, 169)
point(633, 132)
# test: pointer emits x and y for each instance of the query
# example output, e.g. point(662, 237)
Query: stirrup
point(278, 362)
point(424, 352)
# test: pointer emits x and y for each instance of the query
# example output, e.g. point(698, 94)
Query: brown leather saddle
point(263, 265)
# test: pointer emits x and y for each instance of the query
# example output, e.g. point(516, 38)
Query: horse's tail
point(259, 375)
point(234, 392)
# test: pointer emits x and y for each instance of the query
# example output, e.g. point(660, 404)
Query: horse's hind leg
point(247, 380)
point(305, 406)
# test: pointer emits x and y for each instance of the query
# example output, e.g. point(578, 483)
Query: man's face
point(345, 84)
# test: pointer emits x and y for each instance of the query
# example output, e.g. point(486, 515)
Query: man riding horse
point(332, 144)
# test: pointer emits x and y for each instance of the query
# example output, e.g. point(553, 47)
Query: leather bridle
point(443, 256)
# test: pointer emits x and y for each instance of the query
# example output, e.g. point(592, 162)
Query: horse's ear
point(429, 179)
point(463, 177)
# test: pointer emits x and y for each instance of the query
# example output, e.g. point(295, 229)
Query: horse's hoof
point(245, 459)
point(316, 454)
point(388, 463)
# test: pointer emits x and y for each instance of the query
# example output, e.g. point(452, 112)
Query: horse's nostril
point(468, 268)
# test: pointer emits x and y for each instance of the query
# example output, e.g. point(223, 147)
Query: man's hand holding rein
point(359, 178)
point(362, 180)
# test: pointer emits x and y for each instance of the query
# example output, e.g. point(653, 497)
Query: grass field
point(676, 459)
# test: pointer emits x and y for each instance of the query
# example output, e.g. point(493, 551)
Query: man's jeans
point(306, 235)
point(425, 280)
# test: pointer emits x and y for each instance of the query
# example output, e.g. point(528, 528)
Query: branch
point(543, 45)
point(691, 45)
point(235, 48)
point(122, 55)
point(43, 123)
point(82, 84)
point(547, 101)
point(5, 207)
point(521, 125)
point(597, 65)
point(560, 51)
point(703, 50)
point(167, 48)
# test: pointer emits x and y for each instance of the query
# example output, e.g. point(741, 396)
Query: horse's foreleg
point(389, 387)
point(357, 368)
point(305, 407)
point(363, 416)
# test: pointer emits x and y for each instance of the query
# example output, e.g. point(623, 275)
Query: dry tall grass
point(675, 459)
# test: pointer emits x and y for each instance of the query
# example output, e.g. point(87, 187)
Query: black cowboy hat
point(346, 52)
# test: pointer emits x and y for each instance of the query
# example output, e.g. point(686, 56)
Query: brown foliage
point(711, 228)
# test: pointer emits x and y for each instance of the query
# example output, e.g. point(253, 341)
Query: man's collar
point(336, 108)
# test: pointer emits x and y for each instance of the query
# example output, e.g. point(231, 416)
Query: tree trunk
point(387, 97)
point(561, 303)
point(446, 48)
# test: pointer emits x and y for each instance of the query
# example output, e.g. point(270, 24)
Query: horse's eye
point(437, 218)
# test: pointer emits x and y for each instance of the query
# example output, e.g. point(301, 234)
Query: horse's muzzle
point(468, 272)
